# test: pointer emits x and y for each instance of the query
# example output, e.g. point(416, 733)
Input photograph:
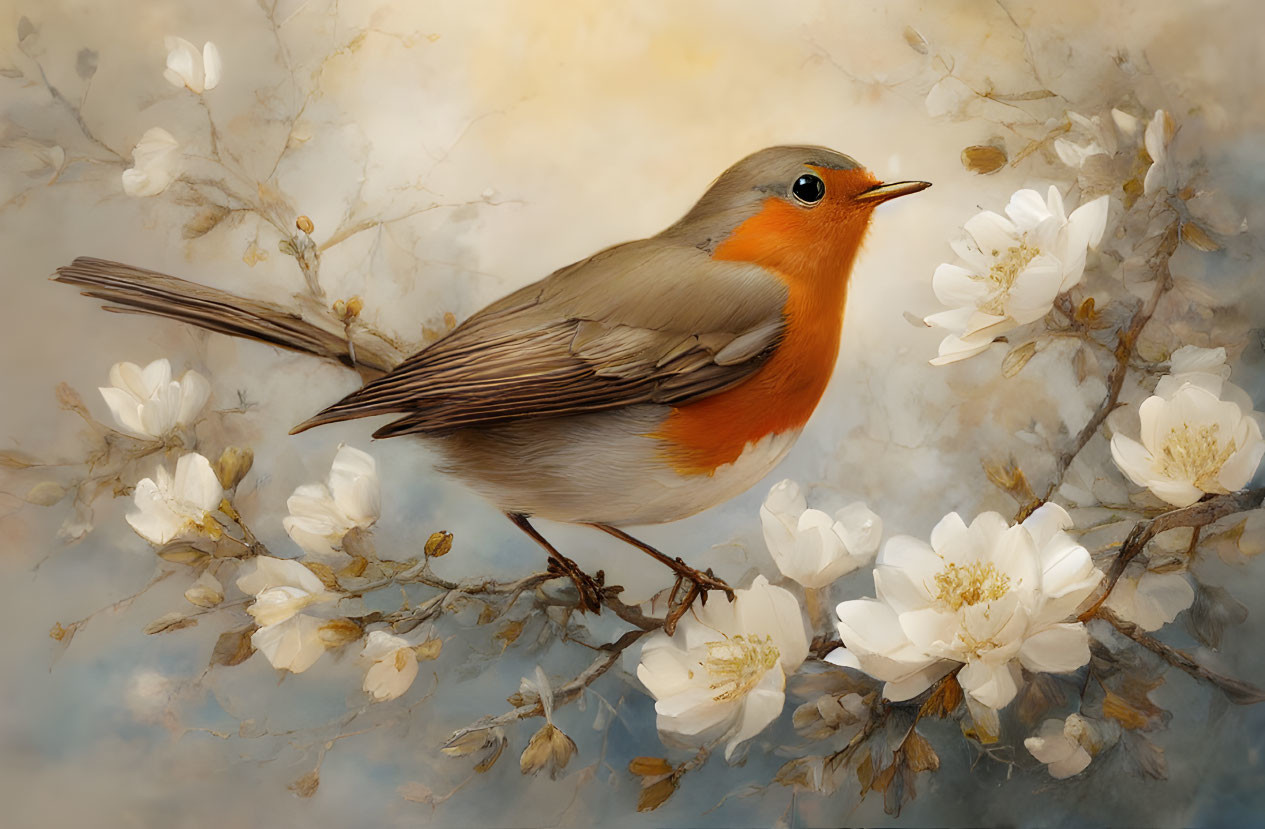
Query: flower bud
point(304, 224)
point(549, 748)
point(234, 463)
point(439, 544)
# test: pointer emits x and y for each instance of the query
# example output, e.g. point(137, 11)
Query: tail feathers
point(138, 291)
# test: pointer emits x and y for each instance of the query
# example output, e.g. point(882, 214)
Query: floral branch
point(1236, 690)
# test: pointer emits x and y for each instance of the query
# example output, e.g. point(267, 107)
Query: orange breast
point(814, 259)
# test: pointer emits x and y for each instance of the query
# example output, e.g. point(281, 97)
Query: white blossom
point(322, 514)
point(283, 588)
point(169, 507)
point(1158, 136)
point(156, 163)
point(1063, 745)
point(810, 546)
point(1014, 267)
point(188, 68)
point(393, 665)
point(722, 675)
point(1150, 600)
point(147, 402)
point(988, 597)
point(1192, 443)
point(1099, 135)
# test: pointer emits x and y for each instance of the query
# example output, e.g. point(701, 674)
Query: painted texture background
point(495, 142)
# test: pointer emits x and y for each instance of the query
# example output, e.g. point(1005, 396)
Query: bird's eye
point(808, 189)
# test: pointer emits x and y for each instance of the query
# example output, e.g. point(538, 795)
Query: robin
point(641, 385)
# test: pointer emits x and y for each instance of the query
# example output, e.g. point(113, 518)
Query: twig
point(562, 695)
point(1124, 354)
point(1236, 690)
point(1196, 515)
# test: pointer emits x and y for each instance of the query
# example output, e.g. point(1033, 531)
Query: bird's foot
point(590, 588)
point(696, 583)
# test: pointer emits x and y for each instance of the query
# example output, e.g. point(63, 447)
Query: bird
point(642, 385)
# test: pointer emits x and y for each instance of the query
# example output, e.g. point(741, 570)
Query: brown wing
point(640, 322)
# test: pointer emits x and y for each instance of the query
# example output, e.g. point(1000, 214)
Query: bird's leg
point(590, 588)
point(698, 582)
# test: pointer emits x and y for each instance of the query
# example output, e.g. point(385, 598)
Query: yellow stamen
point(737, 664)
point(970, 584)
point(1007, 266)
point(1195, 454)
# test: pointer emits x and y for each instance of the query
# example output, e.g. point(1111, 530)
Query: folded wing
point(642, 322)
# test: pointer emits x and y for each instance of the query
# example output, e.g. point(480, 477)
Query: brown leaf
point(495, 754)
point(182, 552)
point(1041, 693)
point(439, 544)
point(306, 785)
point(656, 794)
point(428, 650)
point(919, 755)
point(169, 622)
point(1118, 709)
point(338, 632)
point(355, 567)
point(548, 749)
point(70, 400)
point(233, 647)
point(323, 572)
point(63, 634)
point(204, 221)
point(865, 772)
point(983, 159)
point(883, 779)
point(13, 459)
point(1085, 364)
point(509, 632)
point(1017, 358)
point(649, 766)
point(1149, 757)
point(944, 700)
point(1198, 238)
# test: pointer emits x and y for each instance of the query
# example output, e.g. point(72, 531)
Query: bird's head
point(791, 209)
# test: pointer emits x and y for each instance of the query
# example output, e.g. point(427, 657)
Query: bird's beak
point(894, 190)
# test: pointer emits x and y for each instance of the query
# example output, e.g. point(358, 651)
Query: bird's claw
point(699, 584)
point(591, 588)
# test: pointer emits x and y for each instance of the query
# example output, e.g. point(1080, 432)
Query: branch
point(1125, 345)
point(1196, 515)
point(1236, 690)
point(562, 695)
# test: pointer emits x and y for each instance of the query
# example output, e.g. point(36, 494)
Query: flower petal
point(1057, 649)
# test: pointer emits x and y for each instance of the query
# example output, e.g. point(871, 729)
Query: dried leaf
point(13, 459)
point(70, 400)
point(306, 785)
point(802, 773)
point(338, 632)
point(45, 493)
point(509, 632)
point(865, 772)
point(428, 650)
point(62, 633)
point(233, 647)
point(323, 572)
point(1041, 693)
point(649, 766)
point(944, 700)
point(983, 159)
point(355, 567)
point(1119, 709)
point(439, 544)
point(916, 41)
point(169, 622)
point(1034, 95)
point(548, 749)
point(656, 794)
point(919, 755)
point(1198, 238)
point(1017, 358)
point(182, 552)
point(495, 754)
